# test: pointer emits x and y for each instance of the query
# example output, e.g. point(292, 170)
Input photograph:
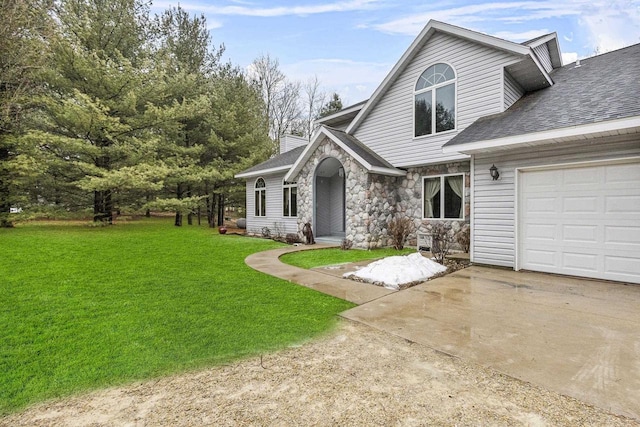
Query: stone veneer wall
point(410, 189)
point(373, 200)
point(355, 180)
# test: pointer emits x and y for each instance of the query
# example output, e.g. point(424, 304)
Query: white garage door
point(582, 221)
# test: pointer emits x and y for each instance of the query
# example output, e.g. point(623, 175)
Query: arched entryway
point(329, 199)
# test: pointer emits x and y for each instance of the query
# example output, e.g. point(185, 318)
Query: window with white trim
point(260, 204)
point(289, 198)
point(435, 87)
point(443, 197)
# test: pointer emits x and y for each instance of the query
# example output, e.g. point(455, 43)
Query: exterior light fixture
point(341, 172)
point(493, 171)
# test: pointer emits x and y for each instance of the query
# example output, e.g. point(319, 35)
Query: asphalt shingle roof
point(602, 88)
point(360, 149)
point(285, 159)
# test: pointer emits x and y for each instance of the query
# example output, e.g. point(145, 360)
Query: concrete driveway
point(579, 337)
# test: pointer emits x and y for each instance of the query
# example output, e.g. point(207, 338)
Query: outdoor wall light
point(341, 172)
point(493, 170)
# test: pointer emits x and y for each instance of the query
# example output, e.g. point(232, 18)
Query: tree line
point(106, 107)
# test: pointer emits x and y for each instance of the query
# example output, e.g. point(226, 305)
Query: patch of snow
point(395, 271)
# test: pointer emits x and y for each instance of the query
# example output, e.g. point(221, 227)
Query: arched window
point(435, 87)
point(261, 198)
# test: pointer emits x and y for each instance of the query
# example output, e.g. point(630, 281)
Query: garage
point(581, 220)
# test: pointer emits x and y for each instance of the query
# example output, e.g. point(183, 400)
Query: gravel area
point(354, 375)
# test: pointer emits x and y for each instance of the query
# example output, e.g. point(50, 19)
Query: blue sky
point(352, 44)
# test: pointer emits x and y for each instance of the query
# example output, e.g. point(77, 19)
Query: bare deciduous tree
point(314, 100)
point(286, 110)
point(265, 73)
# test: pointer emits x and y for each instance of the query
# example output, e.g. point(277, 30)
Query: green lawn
point(85, 307)
point(310, 259)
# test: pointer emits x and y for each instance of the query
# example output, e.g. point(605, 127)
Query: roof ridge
point(588, 58)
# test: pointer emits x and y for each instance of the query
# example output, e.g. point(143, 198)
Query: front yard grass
point(85, 307)
point(331, 256)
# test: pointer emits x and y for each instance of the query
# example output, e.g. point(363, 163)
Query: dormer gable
point(547, 49)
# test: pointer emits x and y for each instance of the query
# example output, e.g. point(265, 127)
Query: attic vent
point(577, 63)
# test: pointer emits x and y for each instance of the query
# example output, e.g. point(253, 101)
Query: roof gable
point(363, 155)
point(429, 30)
point(551, 40)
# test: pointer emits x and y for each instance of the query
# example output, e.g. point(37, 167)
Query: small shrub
point(442, 240)
point(292, 238)
point(399, 229)
point(346, 244)
point(464, 238)
point(266, 232)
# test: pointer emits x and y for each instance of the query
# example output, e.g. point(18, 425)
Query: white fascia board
point(485, 39)
point(536, 61)
point(348, 150)
point(368, 166)
point(389, 172)
point(341, 113)
point(257, 173)
point(549, 135)
point(542, 40)
point(431, 27)
point(555, 53)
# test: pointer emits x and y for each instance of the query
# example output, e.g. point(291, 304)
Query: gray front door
point(329, 199)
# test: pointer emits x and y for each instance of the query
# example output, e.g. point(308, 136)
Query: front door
point(329, 199)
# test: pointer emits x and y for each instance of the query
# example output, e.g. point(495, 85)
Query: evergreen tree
point(238, 139)
point(24, 28)
point(333, 106)
point(97, 130)
point(189, 62)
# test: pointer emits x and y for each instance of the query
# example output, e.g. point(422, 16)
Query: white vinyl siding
point(274, 208)
point(388, 129)
point(542, 52)
point(493, 209)
point(512, 90)
point(289, 142)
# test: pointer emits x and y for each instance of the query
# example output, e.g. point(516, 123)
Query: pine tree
point(333, 106)
point(24, 27)
point(97, 130)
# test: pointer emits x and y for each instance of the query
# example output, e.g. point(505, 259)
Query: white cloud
point(354, 81)
point(569, 57)
point(213, 24)
point(509, 12)
point(245, 9)
point(611, 24)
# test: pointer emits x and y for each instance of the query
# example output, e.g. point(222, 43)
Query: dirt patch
point(355, 375)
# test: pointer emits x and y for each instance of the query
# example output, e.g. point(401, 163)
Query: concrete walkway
point(578, 337)
point(358, 293)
